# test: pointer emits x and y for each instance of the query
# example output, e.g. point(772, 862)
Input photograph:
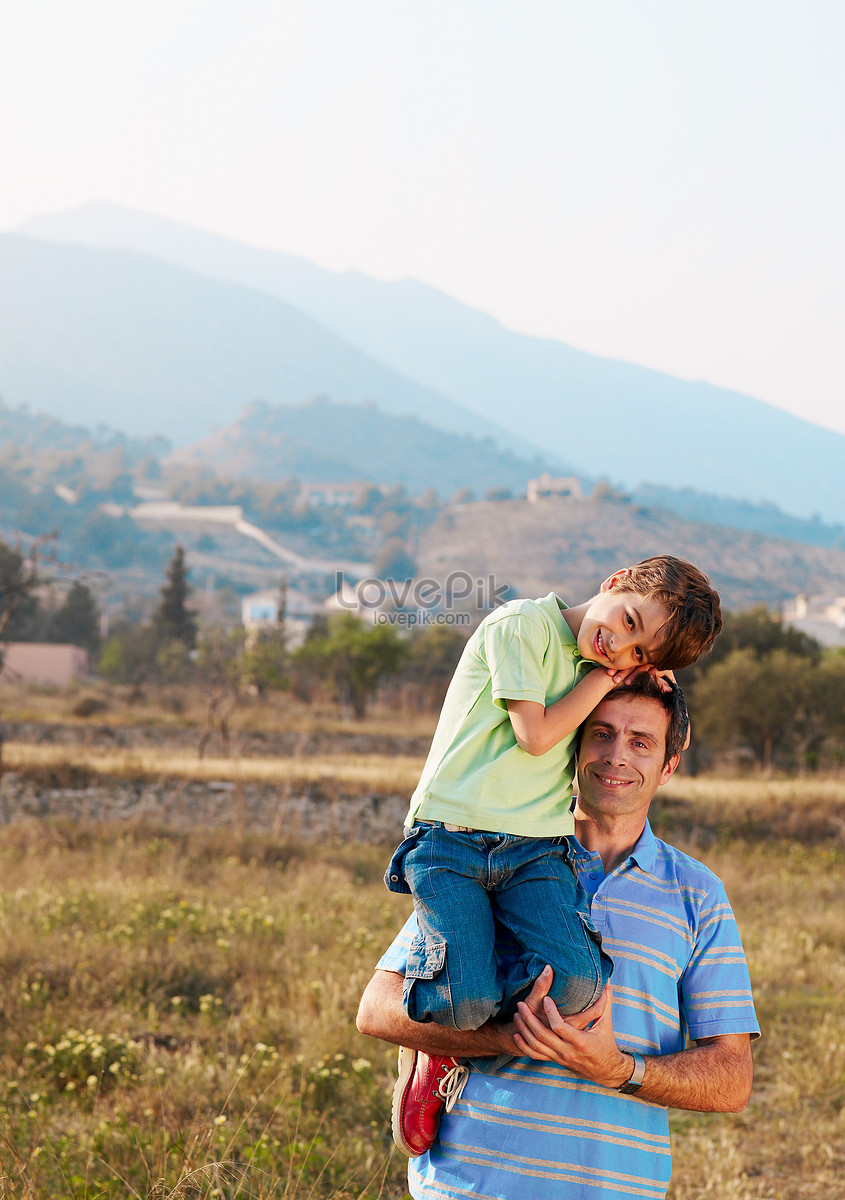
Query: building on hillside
point(171, 510)
point(351, 598)
point(329, 495)
point(821, 617)
point(546, 485)
point(54, 663)
point(260, 610)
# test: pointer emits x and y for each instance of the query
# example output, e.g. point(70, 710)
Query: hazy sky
point(654, 180)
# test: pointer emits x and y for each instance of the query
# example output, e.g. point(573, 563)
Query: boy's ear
point(613, 579)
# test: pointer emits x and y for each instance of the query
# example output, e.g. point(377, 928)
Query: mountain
point(323, 441)
point(607, 418)
point(118, 338)
point(767, 519)
point(571, 546)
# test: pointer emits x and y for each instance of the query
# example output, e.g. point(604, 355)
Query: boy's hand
point(664, 679)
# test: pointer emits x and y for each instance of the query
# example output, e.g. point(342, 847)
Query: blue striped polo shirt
point(535, 1131)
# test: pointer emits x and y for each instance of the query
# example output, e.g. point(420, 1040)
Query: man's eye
point(638, 652)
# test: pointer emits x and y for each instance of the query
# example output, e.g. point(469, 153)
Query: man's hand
point(712, 1076)
point(583, 1043)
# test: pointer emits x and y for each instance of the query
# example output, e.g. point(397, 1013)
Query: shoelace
point(452, 1084)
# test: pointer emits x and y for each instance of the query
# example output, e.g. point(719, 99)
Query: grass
point(178, 1016)
point(376, 772)
point(177, 1013)
point(178, 1020)
point(182, 707)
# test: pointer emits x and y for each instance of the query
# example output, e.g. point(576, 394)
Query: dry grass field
point(177, 1013)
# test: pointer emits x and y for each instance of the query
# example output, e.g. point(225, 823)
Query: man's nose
point(614, 750)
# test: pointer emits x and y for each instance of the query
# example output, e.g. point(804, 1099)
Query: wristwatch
point(637, 1075)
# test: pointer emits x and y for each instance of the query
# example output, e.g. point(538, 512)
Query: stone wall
point(305, 812)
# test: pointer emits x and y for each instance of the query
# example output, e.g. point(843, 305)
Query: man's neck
point(612, 838)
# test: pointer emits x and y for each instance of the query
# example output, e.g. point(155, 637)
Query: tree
point(354, 658)
point(77, 621)
point(393, 561)
point(173, 621)
point(433, 656)
point(129, 655)
point(266, 658)
point(767, 703)
point(759, 631)
point(219, 670)
point(19, 608)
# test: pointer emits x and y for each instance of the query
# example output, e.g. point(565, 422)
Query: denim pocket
point(394, 876)
point(426, 958)
point(592, 932)
point(605, 962)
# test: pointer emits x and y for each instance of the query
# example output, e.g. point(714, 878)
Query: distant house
point(547, 485)
point(821, 617)
point(364, 600)
point(170, 510)
point(329, 495)
point(42, 662)
point(260, 610)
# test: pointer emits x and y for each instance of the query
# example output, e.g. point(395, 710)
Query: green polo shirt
point(475, 773)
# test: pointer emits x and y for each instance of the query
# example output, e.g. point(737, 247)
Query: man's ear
point(613, 579)
point(669, 769)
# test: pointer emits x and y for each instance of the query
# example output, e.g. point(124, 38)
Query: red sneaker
point(426, 1084)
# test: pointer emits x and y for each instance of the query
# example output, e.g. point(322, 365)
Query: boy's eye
point(629, 620)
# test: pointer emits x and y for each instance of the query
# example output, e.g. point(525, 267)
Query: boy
point(486, 835)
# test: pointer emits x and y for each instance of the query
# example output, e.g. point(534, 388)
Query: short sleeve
point(715, 988)
point(395, 958)
point(515, 647)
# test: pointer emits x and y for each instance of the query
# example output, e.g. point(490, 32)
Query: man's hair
point(673, 702)
point(695, 614)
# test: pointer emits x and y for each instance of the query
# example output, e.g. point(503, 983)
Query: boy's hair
point(673, 702)
point(695, 614)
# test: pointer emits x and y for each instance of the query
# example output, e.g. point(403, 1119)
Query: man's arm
point(713, 1076)
point(381, 1015)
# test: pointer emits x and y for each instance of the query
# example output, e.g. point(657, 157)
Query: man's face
point(620, 762)
point(621, 629)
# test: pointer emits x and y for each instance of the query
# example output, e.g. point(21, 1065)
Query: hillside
point(323, 441)
point(570, 547)
point(609, 418)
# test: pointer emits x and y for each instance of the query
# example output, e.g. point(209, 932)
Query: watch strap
point(637, 1075)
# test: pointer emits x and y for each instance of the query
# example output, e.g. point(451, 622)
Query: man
point(554, 1124)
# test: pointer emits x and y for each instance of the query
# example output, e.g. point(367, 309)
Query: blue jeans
point(464, 885)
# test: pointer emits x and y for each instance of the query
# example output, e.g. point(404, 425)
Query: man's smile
point(611, 780)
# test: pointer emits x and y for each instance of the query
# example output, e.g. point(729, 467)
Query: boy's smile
point(621, 629)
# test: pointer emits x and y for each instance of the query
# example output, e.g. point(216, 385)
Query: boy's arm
point(538, 729)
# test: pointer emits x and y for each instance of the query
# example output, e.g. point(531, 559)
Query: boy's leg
point(452, 976)
point(541, 903)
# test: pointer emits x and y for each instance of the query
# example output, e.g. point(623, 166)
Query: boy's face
point(621, 629)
